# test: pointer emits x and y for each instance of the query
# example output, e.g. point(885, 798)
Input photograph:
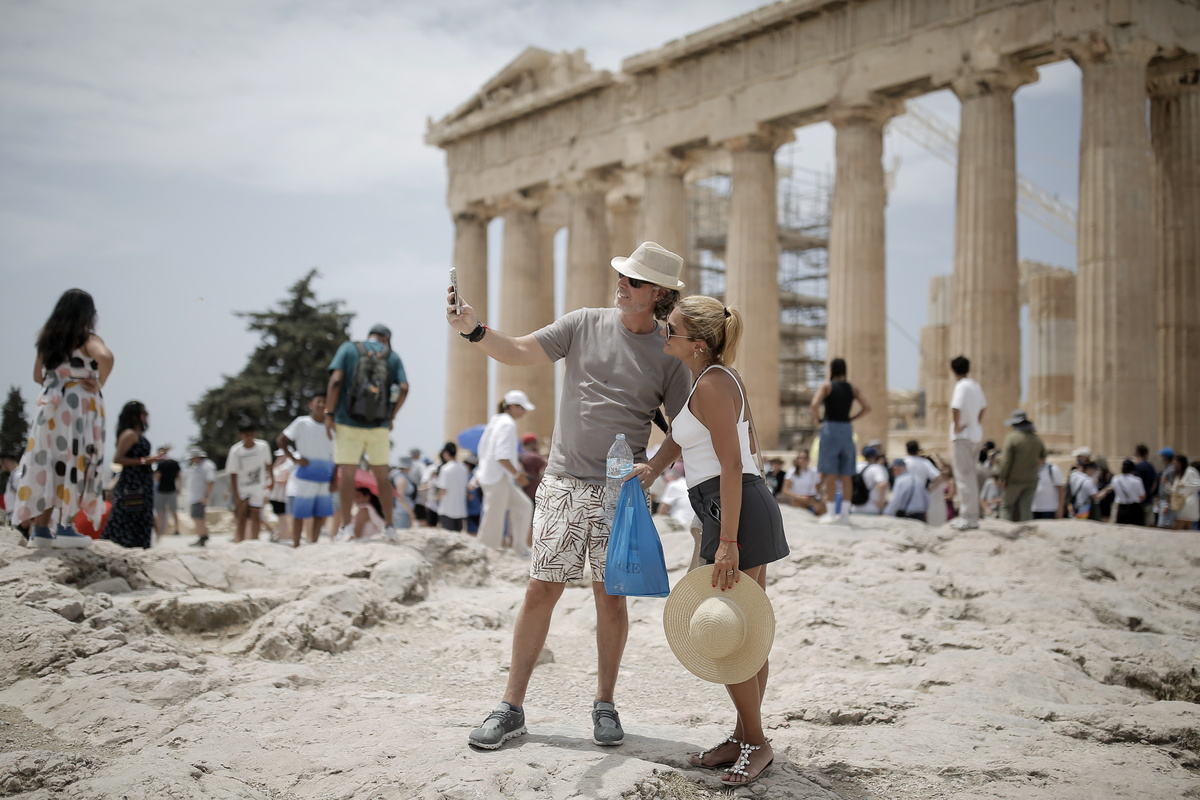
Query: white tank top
point(699, 458)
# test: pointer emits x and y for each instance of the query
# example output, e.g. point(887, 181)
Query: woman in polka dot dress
point(61, 467)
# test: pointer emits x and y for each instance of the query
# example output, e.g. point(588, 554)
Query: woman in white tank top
point(743, 530)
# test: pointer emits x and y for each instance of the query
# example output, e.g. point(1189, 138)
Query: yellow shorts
point(352, 442)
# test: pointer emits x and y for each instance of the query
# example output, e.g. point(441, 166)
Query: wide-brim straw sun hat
point(719, 636)
point(653, 263)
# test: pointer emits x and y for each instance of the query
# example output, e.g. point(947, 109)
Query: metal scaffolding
point(803, 200)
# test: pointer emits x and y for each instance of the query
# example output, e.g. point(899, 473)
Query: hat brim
point(1015, 420)
point(693, 589)
point(633, 269)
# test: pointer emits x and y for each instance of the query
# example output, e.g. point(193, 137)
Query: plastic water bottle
point(617, 466)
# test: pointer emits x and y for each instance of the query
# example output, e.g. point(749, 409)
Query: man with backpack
point(367, 386)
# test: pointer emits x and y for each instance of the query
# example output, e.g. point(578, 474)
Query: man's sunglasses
point(637, 284)
point(671, 332)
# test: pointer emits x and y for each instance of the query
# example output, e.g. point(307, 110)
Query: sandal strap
point(739, 767)
point(718, 746)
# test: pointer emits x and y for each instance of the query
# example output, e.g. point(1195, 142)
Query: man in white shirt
point(967, 405)
point(801, 486)
point(249, 469)
point(198, 478)
point(919, 466)
point(309, 491)
point(452, 490)
point(875, 476)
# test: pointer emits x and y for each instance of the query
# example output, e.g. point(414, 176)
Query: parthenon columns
point(986, 322)
point(1051, 402)
point(752, 274)
point(623, 210)
point(664, 209)
point(857, 327)
point(589, 280)
point(526, 304)
point(1175, 132)
point(467, 369)
point(1114, 366)
point(935, 357)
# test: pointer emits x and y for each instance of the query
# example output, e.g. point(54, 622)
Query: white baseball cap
point(515, 397)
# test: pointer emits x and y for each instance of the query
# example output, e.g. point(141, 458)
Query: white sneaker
point(960, 524)
point(344, 534)
point(827, 518)
point(390, 536)
point(844, 517)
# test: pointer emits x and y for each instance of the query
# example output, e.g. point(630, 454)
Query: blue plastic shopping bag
point(635, 566)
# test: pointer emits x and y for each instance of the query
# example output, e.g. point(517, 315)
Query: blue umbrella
point(468, 438)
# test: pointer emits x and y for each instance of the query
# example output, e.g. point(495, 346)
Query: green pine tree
point(298, 339)
point(14, 428)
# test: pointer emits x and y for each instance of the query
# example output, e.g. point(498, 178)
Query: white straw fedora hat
point(652, 262)
point(720, 636)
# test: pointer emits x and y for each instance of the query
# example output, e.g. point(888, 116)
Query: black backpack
point(367, 399)
point(859, 493)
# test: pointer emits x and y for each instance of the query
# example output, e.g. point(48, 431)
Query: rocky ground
point(1050, 661)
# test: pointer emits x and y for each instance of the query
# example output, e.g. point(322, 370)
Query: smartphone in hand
point(454, 286)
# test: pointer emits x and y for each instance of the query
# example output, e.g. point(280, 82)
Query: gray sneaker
point(501, 725)
point(606, 730)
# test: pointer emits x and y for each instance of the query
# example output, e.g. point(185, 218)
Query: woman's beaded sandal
point(697, 759)
point(740, 768)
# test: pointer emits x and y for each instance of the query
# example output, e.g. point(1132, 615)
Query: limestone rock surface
point(1048, 661)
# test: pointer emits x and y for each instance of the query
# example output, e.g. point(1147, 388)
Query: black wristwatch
point(475, 335)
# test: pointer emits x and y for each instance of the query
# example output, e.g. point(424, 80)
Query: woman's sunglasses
point(671, 332)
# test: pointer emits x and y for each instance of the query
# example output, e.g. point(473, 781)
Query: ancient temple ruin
point(551, 143)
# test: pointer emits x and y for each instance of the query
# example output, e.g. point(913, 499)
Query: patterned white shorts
point(568, 527)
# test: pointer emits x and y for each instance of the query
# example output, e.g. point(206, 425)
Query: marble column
point(752, 274)
point(466, 365)
point(857, 326)
point(526, 304)
point(1051, 401)
point(591, 280)
point(1115, 311)
point(665, 211)
point(935, 361)
point(986, 323)
point(1175, 133)
point(623, 212)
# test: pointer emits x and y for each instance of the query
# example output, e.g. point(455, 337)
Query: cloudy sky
point(185, 160)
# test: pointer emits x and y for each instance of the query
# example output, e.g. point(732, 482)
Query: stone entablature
point(548, 116)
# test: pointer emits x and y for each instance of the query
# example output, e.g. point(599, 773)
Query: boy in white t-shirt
point(309, 444)
point(249, 471)
point(875, 476)
point(801, 486)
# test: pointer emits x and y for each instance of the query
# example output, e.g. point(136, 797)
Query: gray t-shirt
point(613, 381)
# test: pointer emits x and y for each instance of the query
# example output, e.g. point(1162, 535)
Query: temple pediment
point(535, 77)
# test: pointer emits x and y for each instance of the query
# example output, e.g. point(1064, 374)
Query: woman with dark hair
point(132, 520)
point(60, 469)
point(1184, 500)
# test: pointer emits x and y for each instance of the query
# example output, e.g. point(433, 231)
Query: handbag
point(1177, 501)
point(635, 565)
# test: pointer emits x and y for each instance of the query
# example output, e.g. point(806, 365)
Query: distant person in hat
point(967, 406)
point(1023, 451)
point(616, 376)
point(199, 476)
point(742, 530)
point(367, 386)
point(835, 457)
point(501, 477)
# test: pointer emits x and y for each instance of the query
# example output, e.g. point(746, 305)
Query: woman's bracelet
point(730, 541)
